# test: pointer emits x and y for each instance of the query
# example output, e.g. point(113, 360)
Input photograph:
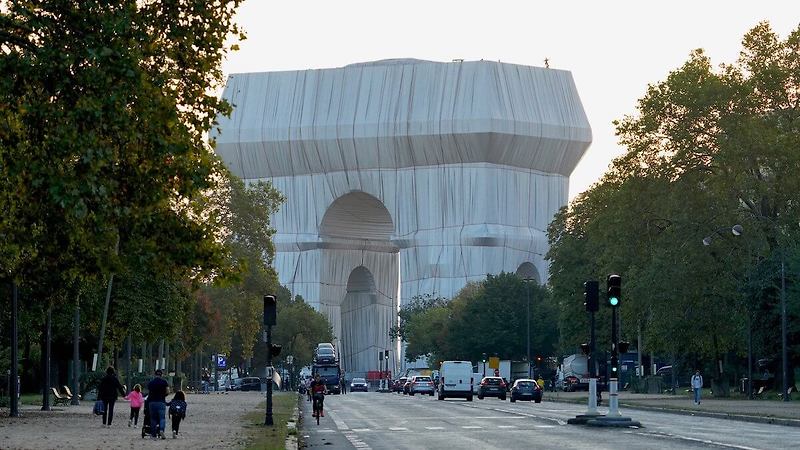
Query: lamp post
point(528, 320)
point(737, 230)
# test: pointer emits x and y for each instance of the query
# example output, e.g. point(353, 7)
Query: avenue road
point(374, 420)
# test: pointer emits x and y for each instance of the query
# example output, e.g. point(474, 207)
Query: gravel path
point(213, 421)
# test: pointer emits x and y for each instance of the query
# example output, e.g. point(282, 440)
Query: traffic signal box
point(591, 296)
point(614, 292)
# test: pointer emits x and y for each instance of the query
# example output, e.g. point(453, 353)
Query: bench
point(789, 391)
point(760, 393)
point(69, 393)
point(58, 398)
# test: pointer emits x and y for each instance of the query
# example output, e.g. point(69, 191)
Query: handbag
point(99, 408)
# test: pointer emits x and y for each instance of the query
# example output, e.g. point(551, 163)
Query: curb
point(292, 427)
point(691, 412)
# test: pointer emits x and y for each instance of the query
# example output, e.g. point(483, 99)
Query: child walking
point(177, 411)
point(136, 399)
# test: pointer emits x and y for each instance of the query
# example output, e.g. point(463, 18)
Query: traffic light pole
point(592, 410)
point(268, 418)
point(613, 400)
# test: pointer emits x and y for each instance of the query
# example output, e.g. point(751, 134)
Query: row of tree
point(707, 149)
point(487, 318)
point(114, 205)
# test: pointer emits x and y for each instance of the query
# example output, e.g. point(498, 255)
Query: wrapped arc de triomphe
point(403, 178)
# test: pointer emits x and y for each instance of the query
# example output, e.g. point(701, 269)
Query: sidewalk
point(759, 411)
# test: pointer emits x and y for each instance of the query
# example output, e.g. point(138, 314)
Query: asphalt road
point(391, 421)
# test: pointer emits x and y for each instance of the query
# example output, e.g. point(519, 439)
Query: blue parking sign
point(222, 362)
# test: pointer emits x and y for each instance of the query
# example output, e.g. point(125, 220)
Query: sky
point(614, 49)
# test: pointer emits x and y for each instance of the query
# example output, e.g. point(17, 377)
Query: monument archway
point(355, 237)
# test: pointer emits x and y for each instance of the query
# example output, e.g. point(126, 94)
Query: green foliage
point(707, 149)
point(103, 118)
point(487, 317)
point(300, 328)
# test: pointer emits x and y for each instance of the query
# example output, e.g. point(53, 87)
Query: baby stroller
point(146, 420)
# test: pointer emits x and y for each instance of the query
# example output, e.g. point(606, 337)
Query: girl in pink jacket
point(136, 399)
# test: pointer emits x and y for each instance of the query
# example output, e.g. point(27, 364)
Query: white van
point(455, 380)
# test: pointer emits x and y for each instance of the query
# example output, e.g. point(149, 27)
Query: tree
point(103, 114)
point(707, 149)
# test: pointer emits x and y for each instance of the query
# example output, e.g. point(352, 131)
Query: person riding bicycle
point(318, 391)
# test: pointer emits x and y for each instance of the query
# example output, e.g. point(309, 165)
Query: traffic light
point(270, 310)
point(614, 366)
point(275, 350)
point(586, 349)
point(591, 295)
point(623, 346)
point(614, 292)
point(386, 354)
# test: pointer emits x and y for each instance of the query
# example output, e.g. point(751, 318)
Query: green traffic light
point(613, 301)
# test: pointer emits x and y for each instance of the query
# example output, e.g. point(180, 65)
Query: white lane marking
point(354, 439)
point(398, 428)
point(691, 439)
point(471, 427)
point(434, 428)
point(338, 421)
point(361, 430)
point(493, 417)
point(326, 430)
point(506, 426)
point(544, 426)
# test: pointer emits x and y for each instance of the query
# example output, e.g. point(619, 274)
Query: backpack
point(177, 408)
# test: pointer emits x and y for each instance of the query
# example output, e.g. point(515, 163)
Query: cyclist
point(318, 391)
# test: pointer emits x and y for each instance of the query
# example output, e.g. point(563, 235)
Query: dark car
point(245, 384)
point(359, 384)
point(525, 389)
point(492, 387)
point(398, 385)
point(325, 355)
point(407, 386)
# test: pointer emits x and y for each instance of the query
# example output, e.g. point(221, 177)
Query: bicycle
point(317, 405)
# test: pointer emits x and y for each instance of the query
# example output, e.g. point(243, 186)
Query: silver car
point(421, 384)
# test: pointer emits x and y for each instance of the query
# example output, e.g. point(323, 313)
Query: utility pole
point(270, 319)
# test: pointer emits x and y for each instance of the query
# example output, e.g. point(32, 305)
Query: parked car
point(526, 389)
point(245, 384)
point(398, 385)
point(492, 387)
point(359, 384)
point(421, 385)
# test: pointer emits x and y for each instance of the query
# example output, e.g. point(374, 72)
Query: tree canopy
point(707, 148)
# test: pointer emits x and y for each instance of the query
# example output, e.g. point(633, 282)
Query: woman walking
point(107, 392)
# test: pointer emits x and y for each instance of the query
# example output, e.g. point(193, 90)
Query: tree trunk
point(76, 369)
point(46, 362)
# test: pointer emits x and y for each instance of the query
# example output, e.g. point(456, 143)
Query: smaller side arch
point(527, 271)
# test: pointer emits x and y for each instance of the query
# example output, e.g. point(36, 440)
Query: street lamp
point(528, 320)
point(737, 230)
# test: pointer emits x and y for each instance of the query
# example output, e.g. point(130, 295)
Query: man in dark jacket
point(157, 401)
point(107, 392)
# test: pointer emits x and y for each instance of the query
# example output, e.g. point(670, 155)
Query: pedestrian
point(177, 411)
point(697, 385)
point(157, 402)
point(540, 382)
point(344, 385)
point(107, 392)
point(206, 377)
point(136, 399)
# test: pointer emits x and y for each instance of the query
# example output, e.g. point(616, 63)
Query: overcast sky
point(613, 48)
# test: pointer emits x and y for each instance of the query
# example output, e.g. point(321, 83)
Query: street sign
point(494, 362)
point(222, 362)
point(269, 371)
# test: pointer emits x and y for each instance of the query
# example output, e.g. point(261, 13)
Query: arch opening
point(357, 215)
point(527, 271)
